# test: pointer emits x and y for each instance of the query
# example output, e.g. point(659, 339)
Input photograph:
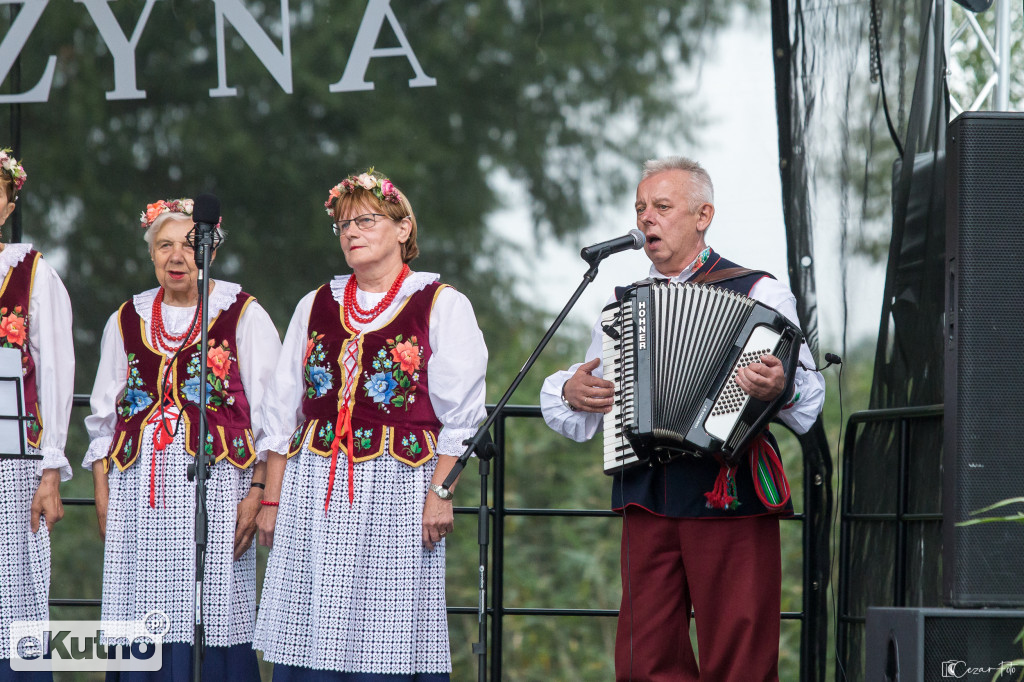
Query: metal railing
point(813, 520)
point(904, 418)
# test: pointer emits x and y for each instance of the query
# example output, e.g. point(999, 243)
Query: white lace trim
point(98, 449)
point(416, 281)
point(221, 298)
point(450, 440)
point(12, 255)
point(53, 458)
point(270, 444)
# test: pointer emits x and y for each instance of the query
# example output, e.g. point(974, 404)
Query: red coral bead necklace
point(158, 333)
point(354, 312)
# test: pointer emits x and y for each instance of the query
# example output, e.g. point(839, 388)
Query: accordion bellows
point(672, 350)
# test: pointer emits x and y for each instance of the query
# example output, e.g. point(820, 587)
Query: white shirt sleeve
point(281, 412)
point(258, 349)
point(579, 426)
point(456, 370)
point(109, 383)
point(52, 346)
point(808, 385)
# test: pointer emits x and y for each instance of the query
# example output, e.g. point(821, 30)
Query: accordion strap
point(711, 277)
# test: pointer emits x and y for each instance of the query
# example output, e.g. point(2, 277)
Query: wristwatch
point(566, 402)
point(441, 492)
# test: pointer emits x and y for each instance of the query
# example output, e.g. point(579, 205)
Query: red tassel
point(723, 495)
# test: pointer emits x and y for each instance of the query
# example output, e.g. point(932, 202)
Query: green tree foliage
point(564, 97)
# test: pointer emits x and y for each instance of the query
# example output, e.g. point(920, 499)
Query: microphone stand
point(200, 468)
point(481, 443)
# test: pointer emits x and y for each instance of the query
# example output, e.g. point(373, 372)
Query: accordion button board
point(673, 351)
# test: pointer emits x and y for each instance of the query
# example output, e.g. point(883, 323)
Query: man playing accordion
point(697, 532)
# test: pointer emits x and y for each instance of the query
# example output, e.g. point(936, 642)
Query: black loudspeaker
point(922, 645)
point(983, 442)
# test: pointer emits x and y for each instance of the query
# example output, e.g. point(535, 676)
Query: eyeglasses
point(363, 222)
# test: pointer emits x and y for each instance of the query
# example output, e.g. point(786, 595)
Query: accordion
point(673, 350)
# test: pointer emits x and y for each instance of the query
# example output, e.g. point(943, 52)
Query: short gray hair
point(702, 191)
point(154, 228)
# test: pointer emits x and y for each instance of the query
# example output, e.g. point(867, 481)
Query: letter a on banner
point(354, 77)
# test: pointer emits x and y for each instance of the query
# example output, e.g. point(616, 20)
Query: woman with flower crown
point(144, 431)
point(381, 379)
point(35, 321)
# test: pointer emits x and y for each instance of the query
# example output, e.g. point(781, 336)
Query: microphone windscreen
point(833, 358)
point(639, 239)
point(206, 209)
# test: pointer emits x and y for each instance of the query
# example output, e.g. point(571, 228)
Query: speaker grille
point(985, 186)
point(977, 642)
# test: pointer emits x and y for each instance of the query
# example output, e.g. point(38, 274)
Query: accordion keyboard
point(618, 454)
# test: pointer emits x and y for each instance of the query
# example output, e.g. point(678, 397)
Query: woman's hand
point(438, 519)
point(101, 491)
point(245, 521)
point(265, 521)
point(267, 518)
point(46, 502)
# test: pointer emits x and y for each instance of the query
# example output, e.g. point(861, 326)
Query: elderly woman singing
point(381, 378)
point(35, 321)
point(144, 429)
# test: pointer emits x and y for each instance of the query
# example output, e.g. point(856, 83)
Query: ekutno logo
point(86, 645)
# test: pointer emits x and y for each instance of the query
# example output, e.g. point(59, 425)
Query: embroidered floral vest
point(15, 296)
point(391, 410)
point(230, 431)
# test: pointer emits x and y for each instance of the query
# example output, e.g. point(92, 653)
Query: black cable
point(196, 320)
point(876, 64)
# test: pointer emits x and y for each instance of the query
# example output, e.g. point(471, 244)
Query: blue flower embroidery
point(137, 401)
point(381, 387)
point(321, 379)
point(191, 389)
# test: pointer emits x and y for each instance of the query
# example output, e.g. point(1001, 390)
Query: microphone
point(830, 359)
point(206, 216)
point(597, 252)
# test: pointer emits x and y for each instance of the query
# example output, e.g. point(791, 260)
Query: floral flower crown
point(10, 165)
point(371, 181)
point(155, 210)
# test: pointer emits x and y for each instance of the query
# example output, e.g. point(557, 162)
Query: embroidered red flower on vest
point(12, 327)
point(406, 354)
point(218, 359)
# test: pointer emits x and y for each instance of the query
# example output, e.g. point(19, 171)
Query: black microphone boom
point(596, 252)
